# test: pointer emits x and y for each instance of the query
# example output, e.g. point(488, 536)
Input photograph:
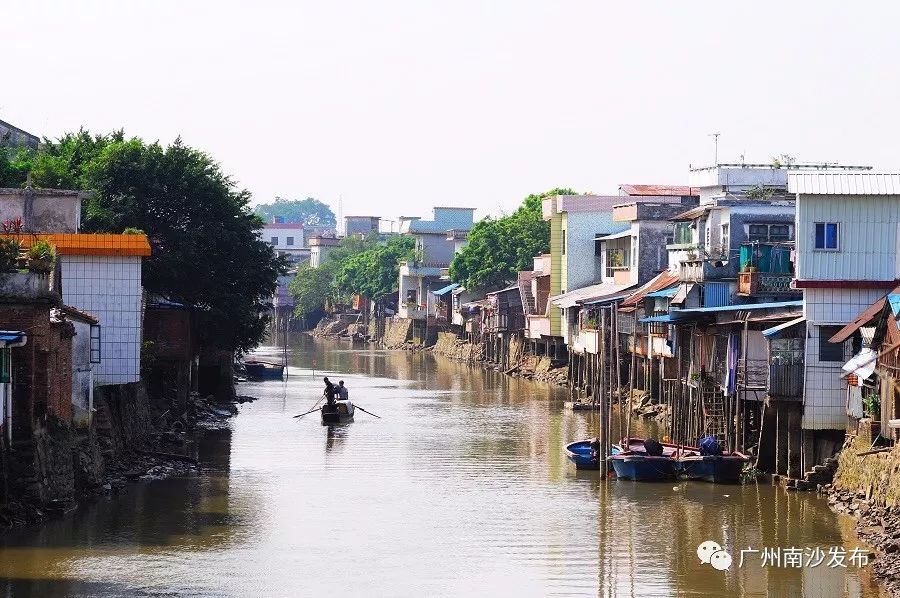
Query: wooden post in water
point(738, 408)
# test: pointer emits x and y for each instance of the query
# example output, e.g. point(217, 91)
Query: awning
point(605, 298)
point(774, 331)
point(660, 281)
point(868, 314)
point(743, 307)
point(683, 291)
point(12, 338)
point(445, 290)
point(668, 318)
point(619, 235)
point(670, 292)
point(593, 292)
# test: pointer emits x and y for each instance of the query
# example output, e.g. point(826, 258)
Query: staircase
point(528, 302)
point(713, 403)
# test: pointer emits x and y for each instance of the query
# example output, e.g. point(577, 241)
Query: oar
point(308, 412)
point(355, 406)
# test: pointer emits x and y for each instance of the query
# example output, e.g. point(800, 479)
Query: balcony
point(706, 269)
point(764, 283)
point(412, 311)
point(786, 381)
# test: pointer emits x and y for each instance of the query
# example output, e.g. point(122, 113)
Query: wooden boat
point(263, 370)
point(582, 455)
point(719, 469)
point(630, 461)
point(340, 412)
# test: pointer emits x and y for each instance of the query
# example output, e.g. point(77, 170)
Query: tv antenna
point(715, 137)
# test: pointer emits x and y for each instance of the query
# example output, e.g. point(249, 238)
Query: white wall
point(825, 392)
point(867, 237)
point(282, 232)
point(109, 288)
point(579, 264)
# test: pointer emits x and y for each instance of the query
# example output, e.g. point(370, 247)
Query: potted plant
point(9, 254)
point(41, 257)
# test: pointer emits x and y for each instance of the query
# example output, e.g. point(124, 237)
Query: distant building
point(319, 246)
point(361, 225)
point(286, 238)
point(12, 136)
point(42, 210)
point(435, 247)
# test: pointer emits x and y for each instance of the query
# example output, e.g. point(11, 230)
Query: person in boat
point(329, 391)
point(343, 394)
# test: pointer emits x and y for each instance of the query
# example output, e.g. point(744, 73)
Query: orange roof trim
point(90, 244)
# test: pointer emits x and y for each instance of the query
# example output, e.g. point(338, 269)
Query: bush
point(132, 231)
point(9, 254)
point(41, 256)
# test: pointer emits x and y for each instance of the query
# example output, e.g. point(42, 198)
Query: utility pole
point(715, 137)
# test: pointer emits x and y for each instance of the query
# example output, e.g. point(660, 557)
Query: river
point(462, 488)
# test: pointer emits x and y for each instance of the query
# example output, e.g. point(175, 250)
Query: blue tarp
point(668, 318)
point(670, 292)
point(742, 307)
point(446, 289)
point(9, 337)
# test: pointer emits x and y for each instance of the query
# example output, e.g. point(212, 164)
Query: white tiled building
point(846, 259)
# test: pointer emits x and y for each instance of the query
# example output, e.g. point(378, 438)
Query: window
point(683, 233)
point(770, 232)
point(634, 251)
point(96, 353)
point(830, 351)
point(564, 241)
point(411, 295)
point(759, 232)
point(826, 236)
point(289, 241)
point(274, 240)
point(779, 232)
point(726, 243)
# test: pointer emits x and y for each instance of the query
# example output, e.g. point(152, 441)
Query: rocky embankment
point(867, 486)
point(165, 453)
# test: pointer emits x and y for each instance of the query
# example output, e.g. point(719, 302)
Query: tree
point(309, 211)
point(373, 273)
point(314, 288)
point(498, 248)
point(206, 251)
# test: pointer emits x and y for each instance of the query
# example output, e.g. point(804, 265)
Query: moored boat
point(263, 370)
point(643, 467)
point(582, 455)
point(630, 461)
point(719, 469)
point(339, 412)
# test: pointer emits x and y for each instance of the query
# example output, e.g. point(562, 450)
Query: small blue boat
point(263, 370)
point(582, 455)
point(719, 469)
point(630, 461)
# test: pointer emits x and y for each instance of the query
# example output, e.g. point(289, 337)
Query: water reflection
point(461, 489)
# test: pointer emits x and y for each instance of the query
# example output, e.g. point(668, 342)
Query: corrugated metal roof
point(670, 292)
point(844, 183)
point(445, 290)
point(742, 307)
point(695, 212)
point(660, 281)
point(595, 291)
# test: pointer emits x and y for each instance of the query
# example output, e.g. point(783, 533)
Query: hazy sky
point(399, 106)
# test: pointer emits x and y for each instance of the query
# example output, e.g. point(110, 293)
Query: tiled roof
point(90, 244)
point(80, 315)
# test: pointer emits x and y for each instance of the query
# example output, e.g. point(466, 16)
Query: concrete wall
point(436, 249)
point(109, 288)
point(42, 210)
point(82, 375)
point(867, 237)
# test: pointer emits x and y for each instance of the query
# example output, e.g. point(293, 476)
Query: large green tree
point(203, 234)
point(314, 289)
point(373, 273)
point(309, 211)
point(498, 248)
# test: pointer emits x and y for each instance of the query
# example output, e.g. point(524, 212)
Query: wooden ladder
point(713, 412)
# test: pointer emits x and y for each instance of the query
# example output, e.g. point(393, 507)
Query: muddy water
point(461, 489)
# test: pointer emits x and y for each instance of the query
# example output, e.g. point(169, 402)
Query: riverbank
point(116, 452)
point(866, 486)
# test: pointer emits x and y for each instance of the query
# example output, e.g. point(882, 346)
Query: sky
point(392, 107)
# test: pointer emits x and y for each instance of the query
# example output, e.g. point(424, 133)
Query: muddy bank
point(166, 449)
point(867, 486)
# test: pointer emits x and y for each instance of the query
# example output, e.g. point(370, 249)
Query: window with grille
point(289, 241)
point(96, 353)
